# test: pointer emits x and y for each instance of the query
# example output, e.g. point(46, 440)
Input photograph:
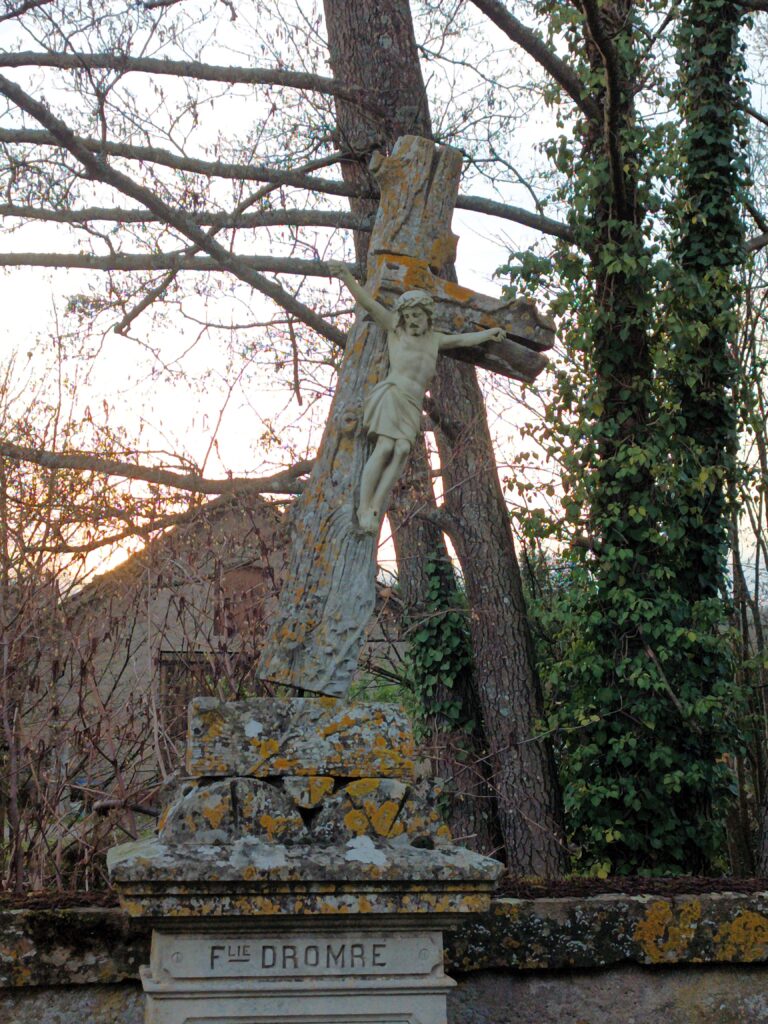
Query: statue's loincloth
point(390, 410)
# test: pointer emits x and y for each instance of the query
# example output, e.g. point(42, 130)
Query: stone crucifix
point(314, 640)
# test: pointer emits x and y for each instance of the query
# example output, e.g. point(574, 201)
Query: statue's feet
point(368, 520)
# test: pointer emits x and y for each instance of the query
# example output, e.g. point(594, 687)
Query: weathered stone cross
point(329, 591)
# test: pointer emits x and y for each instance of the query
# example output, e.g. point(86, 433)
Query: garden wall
point(699, 959)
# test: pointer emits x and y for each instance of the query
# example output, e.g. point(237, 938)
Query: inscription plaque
point(298, 956)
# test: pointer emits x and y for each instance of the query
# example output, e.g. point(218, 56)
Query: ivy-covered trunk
point(641, 686)
point(702, 321)
point(608, 681)
point(702, 314)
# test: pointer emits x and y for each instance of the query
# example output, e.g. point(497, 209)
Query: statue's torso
point(413, 359)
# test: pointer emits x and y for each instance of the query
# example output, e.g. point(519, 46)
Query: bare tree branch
point(28, 5)
point(117, 804)
point(546, 225)
point(533, 44)
point(261, 219)
point(256, 172)
point(154, 526)
point(283, 218)
point(164, 261)
point(191, 69)
point(755, 113)
point(283, 482)
point(757, 242)
point(144, 303)
point(756, 216)
point(97, 167)
point(439, 517)
point(165, 158)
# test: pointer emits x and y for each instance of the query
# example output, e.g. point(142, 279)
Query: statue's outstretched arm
point(381, 315)
point(470, 338)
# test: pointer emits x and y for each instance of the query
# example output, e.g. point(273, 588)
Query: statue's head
point(412, 301)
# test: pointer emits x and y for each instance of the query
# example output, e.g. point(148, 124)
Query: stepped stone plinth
point(303, 873)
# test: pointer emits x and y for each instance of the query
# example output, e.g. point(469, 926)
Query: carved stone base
point(302, 875)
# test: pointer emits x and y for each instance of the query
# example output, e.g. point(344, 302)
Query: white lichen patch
point(364, 850)
point(252, 852)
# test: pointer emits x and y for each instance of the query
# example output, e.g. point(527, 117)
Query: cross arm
point(527, 332)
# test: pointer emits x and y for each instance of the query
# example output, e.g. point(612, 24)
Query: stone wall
point(638, 960)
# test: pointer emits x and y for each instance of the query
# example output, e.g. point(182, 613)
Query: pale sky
point(175, 415)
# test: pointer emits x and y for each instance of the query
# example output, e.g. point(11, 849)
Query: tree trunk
point(456, 745)
point(372, 44)
point(522, 766)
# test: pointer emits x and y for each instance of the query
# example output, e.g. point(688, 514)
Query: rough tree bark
point(372, 45)
point(522, 766)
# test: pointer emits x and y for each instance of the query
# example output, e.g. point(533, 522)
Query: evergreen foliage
point(438, 662)
point(639, 671)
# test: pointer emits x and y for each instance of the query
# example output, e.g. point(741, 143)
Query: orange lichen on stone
point(443, 250)
point(274, 825)
point(319, 786)
point(308, 792)
point(744, 939)
point(666, 931)
point(457, 291)
point(264, 748)
point(382, 817)
point(214, 813)
point(337, 725)
point(207, 764)
point(133, 908)
point(356, 821)
point(362, 787)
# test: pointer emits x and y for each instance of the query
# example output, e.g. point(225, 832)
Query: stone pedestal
point(302, 876)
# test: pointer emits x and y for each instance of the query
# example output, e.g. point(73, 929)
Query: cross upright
point(328, 596)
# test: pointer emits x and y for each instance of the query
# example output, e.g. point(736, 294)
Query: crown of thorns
point(416, 299)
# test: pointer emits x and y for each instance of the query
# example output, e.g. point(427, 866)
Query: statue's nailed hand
point(496, 334)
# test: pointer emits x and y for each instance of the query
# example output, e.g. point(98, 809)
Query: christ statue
point(392, 408)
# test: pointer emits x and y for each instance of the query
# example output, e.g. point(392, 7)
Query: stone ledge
point(74, 946)
point(254, 878)
point(90, 946)
point(613, 929)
